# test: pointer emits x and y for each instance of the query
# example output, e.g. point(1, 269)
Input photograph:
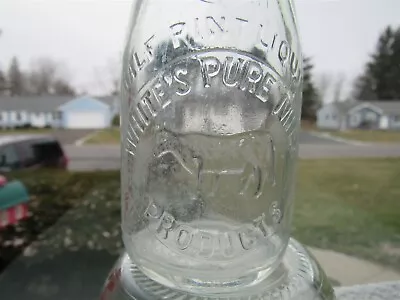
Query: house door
point(384, 122)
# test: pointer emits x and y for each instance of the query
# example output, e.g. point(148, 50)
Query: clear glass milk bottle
point(211, 101)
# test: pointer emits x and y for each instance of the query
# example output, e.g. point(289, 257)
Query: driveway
point(107, 157)
point(69, 136)
point(93, 157)
point(309, 138)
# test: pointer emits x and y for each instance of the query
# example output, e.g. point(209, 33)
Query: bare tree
point(3, 82)
point(49, 77)
point(324, 82)
point(338, 87)
point(15, 78)
point(62, 88)
point(42, 75)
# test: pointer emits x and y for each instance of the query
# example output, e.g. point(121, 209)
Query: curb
point(328, 136)
point(83, 140)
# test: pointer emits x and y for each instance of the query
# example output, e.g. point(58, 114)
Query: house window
point(333, 117)
point(18, 116)
point(57, 116)
point(370, 116)
point(396, 118)
point(327, 117)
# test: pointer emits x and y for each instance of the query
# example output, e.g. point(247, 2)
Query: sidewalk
point(349, 270)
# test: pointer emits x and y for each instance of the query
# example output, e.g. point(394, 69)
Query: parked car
point(31, 152)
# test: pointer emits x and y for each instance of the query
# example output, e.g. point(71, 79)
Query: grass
point(369, 135)
point(25, 131)
point(54, 194)
point(351, 206)
point(108, 136)
point(308, 125)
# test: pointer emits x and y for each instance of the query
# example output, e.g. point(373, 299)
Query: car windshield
point(47, 149)
point(64, 108)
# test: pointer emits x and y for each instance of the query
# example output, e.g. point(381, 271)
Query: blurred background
point(59, 78)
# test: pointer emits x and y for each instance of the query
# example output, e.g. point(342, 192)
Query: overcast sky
point(88, 35)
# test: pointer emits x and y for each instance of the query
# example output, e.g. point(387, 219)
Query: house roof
point(84, 103)
point(387, 107)
point(109, 100)
point(34, 104)
point(345, 106)
point(37, 104)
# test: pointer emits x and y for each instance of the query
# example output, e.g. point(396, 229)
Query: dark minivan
point(31, 152)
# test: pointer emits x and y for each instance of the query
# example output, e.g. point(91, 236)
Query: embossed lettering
point(131, 69)
point(206, 244)
point(142, 121)
point(264, 88)
point(209, 27)
point(184, 87)
point(276, 213)
point(254, 74)
point(273, 41)
point(286, 55)
point(283, 109)
point(283, 51)
point(213, 25)
point(259, 223)
point(140, 63)
point(159, 92)
point(294, 63)
point(149, 47)
point(179, 35)
point(166, 225)
point(150, 103)
point(265, 44)
point(184, 236)
point(247, 239)
point(153, 211)
point(226, 244)
point(136, 123)
point(232, 71)
point(242, 22)
point(210, 67)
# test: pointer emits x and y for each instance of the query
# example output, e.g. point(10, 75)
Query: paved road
point(69, 137)
point(65, 136)
point(307, 138)
point(93, 157)
point(108, 157)
point(335, 151)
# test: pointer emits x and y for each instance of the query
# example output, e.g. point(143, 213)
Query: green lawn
point(369, 135)
point(107, 136)
point(351, 206)
point(26, 131)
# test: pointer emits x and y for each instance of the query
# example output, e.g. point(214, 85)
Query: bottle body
point(210, 111)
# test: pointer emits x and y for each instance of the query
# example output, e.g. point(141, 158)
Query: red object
point(64, 162)
point(13, 215)
point(3, 181)
point(111, 284)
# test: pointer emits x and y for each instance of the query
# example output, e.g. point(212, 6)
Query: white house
point(57, 111)
point(383, 115)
